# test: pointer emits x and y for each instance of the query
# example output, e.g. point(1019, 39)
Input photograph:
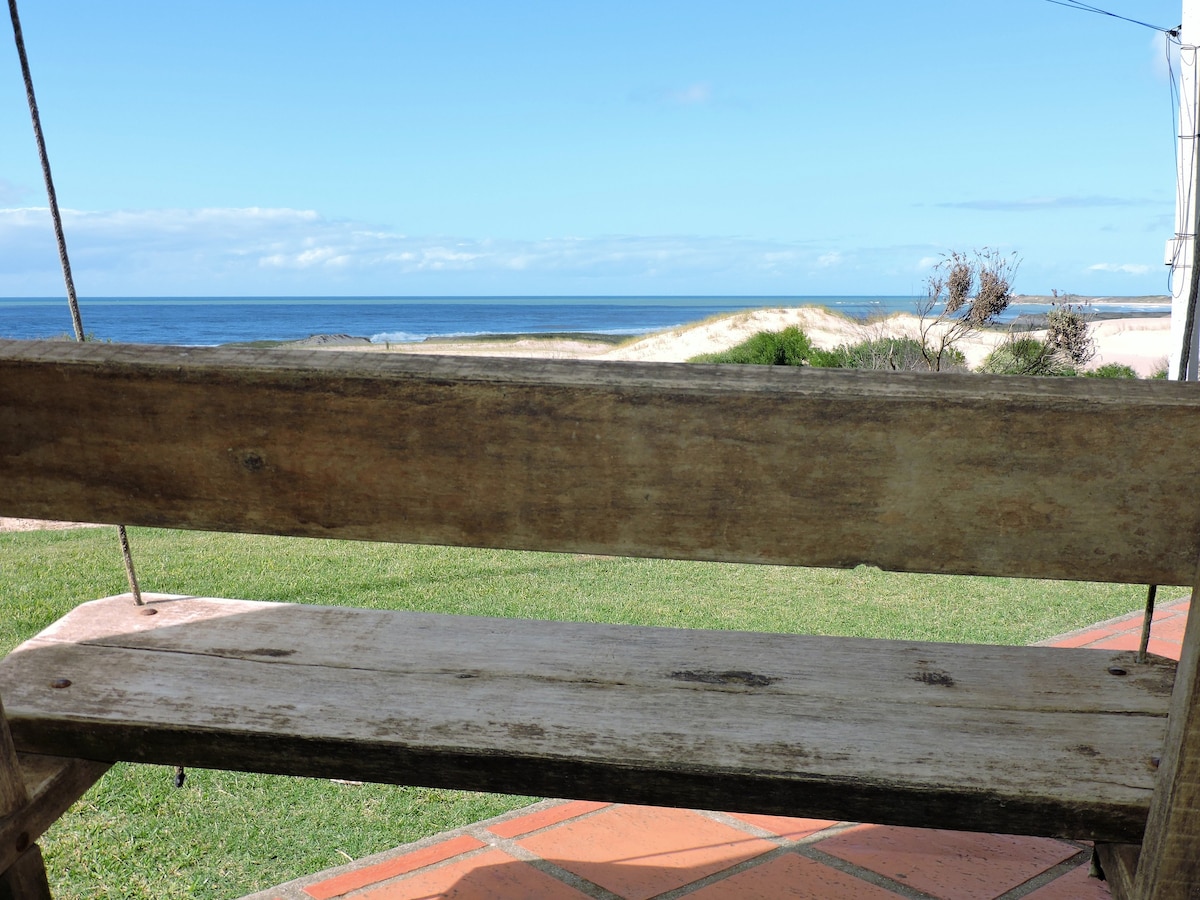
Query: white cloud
point(1125, 268)
point(281, 252)
point(1041, 204)
point(692, 95)
point(698, 93)
point(314, 256)
point(238, 251)
point(13, 193)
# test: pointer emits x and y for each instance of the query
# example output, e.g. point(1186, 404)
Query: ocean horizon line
point(448, 298)
point(525, 299)
point(208, 321)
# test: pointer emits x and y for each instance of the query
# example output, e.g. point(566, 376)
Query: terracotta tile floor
point(566, 849)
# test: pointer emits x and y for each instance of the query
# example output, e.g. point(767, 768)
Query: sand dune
point(1141, 343)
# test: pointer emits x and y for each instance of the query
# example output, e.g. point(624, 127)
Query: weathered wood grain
point(34, 791)
point(1119, 863)
point(13, 795)
point(1037, 478)
point(1057, 478)
point(1170, 860)
point(1029, 740)
point(25, 879)
point(52, 784)
point(18, 880)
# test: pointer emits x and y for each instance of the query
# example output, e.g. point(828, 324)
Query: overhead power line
point(1087, 7)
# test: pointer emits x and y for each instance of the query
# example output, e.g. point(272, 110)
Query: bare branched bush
point(959, 282)
point(1066, 347)
point(993, 297)
point(1067, 333)
point(950, 312)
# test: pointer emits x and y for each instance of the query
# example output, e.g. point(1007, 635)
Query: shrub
point(901, 354)
point(1024, 356)
point(1111, 370)
point(790, 347)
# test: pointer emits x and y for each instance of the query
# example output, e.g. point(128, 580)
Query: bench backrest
point(1085, 479)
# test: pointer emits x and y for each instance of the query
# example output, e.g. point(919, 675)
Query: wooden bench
point(1041, 478)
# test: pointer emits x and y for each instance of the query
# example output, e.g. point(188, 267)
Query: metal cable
point(1087, 7)
point(1189, 322)
point(45, 160)
point(72, 299)
point(1147, 618)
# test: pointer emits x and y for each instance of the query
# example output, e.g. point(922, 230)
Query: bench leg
point(34, 792)
point(1118, 863)
point(26, 878)
point(13, 794)
point(1169, 867)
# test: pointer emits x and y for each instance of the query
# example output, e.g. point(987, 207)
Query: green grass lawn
point(225, 834)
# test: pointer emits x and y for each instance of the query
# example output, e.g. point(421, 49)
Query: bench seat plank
point(1007, 739)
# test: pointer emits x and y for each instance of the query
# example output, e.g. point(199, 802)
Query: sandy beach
point(1139, 342)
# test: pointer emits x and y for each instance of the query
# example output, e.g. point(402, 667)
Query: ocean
point(203, 321)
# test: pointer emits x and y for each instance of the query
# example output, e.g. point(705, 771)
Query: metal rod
point(59, 235)
point(1147, 618)
point(61, 238)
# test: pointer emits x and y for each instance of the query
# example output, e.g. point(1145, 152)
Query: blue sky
point(509, 148)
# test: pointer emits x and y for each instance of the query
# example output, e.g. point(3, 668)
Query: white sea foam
point(397, 337)
point(408, 337)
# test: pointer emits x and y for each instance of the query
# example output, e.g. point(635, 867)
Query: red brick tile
point(1075, 885)
point(1171, 629)
point(949, 864)
point(1172, 608)
point(487, 876)
point(641, 851)
point(1127, 641)
point(793, 877)
point(544, 818)
point(350, 881)
point(784, 826)
point(1168, 626)
point(1167, 648)
point(1080, 640)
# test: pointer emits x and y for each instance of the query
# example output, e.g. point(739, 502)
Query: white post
point(1181, 249)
